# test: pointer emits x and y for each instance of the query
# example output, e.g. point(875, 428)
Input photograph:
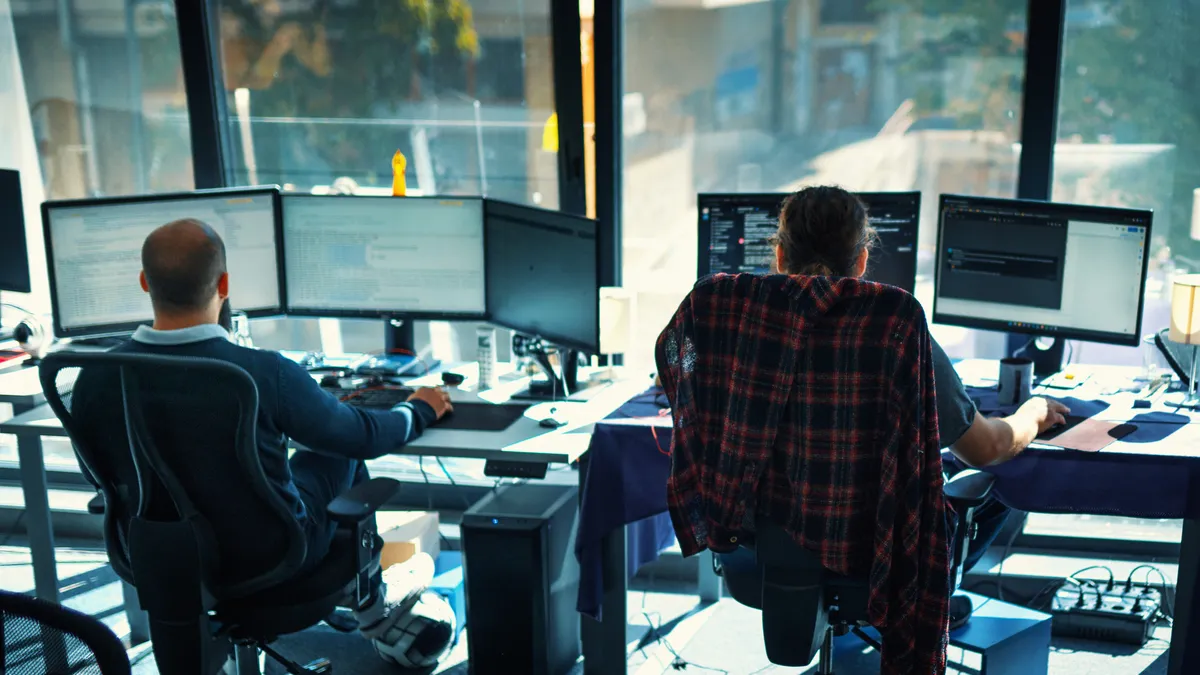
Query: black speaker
point(522, 581)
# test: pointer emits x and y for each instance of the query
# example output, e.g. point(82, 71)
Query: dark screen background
point(14, 256)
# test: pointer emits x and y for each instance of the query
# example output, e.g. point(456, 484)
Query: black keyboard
point(381, 399)
point(466, 416)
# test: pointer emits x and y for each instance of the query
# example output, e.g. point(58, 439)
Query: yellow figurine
point(399, 185)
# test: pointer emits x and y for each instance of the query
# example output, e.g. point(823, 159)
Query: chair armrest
point(969, 488)
point(95, 505)
point(362, 500)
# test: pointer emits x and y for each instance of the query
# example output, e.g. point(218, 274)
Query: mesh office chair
point(38, 637)
point(218, 565)
point(804, 606)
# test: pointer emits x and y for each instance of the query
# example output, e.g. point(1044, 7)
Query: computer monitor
point(94, 248)
point(14, 255)
point(543, 274)
point(1073, 272)
point(734, 229)
point(381, 257)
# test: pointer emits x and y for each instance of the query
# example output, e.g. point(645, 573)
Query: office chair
point(38, 637)
point(804, 606)
point(218, 565)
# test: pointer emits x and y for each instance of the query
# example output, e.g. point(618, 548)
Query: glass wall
point(769, 96)
point(104, 88)
point(325, 93)
point(1129, 136)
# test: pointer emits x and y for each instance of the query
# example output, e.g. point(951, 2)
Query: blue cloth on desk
point(626, 485)
point(1065, 481)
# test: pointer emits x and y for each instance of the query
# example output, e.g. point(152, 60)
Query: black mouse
point(550, 423)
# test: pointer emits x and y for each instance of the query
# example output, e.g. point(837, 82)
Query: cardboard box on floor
point(407, 533)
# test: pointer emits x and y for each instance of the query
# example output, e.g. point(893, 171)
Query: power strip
point(1090, 612)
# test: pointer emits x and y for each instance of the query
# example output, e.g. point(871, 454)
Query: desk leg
point(139, 620)
point(1184, 656)
point(604, 641)
point(37, 514)
point(708, 584)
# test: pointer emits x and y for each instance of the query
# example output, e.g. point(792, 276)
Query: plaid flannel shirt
point(810, 401)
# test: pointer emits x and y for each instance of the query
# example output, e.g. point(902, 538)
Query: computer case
point(522, 580)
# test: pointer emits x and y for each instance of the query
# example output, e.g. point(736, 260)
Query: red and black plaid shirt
point(810, 401)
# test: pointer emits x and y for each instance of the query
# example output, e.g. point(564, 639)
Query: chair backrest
point(45, 638)
point(172, 441)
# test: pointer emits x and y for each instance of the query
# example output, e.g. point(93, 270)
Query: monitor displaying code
point(380, 256)
point(96, 247)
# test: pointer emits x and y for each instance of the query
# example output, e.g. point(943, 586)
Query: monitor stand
point(398, 359)
point(557, 385)
point(1045, 352)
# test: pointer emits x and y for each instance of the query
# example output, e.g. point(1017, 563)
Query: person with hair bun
point(824, 231)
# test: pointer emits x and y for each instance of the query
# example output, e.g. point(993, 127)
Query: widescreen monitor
point(381, 257)
point(94, 246)
point(543, 274)
point(734, 230)
point(1039, 268)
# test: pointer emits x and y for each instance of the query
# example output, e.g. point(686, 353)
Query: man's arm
point(315, 419)
point(997, 440)
point(978, 440)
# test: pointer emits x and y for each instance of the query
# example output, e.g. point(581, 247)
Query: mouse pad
point(1088, 435)
point(482, 416)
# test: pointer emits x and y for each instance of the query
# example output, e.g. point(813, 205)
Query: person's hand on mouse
point(1046, 412)
point(436, 398)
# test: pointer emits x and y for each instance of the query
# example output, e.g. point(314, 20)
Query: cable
point(678, 663)
point(1111, 578)
point(466, 502)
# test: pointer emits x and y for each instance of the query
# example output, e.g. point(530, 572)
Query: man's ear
point(779, 260)
point(860, 266)
point(142, 281)
point(223, 286)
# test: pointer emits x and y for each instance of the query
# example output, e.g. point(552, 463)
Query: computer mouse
point(550, 423)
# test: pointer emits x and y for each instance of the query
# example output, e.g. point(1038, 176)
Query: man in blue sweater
point(184, 271)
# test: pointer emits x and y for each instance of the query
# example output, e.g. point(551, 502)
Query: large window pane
point(1129, 132)
point(318, 92)
point(104, 86)
point(325, 93)
point(768, 96)
point(1129, 135)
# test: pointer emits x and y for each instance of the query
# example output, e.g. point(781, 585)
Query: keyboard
point(377, 399)
point(466, 416)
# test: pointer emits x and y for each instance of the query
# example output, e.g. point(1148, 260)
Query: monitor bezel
point(127, 327)
point(704, 227)
point(592, 347)
point(1062, 332)
point(386, 315)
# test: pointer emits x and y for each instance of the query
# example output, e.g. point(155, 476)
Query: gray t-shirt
point(956, 410)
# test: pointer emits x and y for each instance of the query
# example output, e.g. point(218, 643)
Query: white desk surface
point(524, 440)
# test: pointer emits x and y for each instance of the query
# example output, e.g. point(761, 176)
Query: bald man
point(183, 270)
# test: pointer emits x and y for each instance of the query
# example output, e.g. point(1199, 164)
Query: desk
point(1153, 473)
point(525, 441)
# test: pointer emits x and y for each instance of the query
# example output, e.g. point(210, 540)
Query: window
point(768, 96)
point(328, 92)
point(462, 88)
point(104, 91)
point(1129, 136)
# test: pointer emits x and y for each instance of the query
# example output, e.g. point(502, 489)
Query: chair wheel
point(319, 666)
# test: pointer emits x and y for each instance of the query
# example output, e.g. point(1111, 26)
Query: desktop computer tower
point(522, 581)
